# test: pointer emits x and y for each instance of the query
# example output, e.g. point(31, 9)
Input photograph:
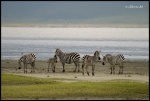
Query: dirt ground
point(134, 70)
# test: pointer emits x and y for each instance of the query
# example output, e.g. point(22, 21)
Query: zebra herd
point(74, 57)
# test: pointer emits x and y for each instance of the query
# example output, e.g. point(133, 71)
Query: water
point(133, 43)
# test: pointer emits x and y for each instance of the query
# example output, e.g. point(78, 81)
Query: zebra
point(88, 60)
point(114, 60)
point(53, 62)
point(27, 59)
point(68, 58)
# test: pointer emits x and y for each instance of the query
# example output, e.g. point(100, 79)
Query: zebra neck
point(95, 58)
point(61, 55)
point(21, 59)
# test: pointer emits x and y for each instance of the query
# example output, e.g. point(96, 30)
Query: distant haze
point(113, 13)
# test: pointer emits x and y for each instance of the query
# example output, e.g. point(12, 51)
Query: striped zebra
point(27, 59)
point(53, 62)
point(88, 60)
point(68, 58)
point(114, 60)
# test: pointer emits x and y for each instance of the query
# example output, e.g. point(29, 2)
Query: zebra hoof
point(103, 63)
point(63, 70)
point(19, 68)
point(93, 74)
point(88, 74)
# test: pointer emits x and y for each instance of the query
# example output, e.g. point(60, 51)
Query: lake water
point(133, 43)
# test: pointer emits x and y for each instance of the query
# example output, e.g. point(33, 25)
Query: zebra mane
point(95, 52)
point(59, 50)
point(33, 55)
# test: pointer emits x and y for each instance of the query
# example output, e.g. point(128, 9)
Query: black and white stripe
point(33, 55)
point(53, 62)
point(27, 59)
point(88, 60)
point(72, 57)
point(121, 56)
point(114, 60)
point(68, 58)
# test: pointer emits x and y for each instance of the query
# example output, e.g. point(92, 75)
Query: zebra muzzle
point(99, 58)
point(103, 63)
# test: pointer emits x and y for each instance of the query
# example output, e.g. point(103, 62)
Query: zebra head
point(19, 62)
point(97, 55)
point(55, 58)
point(104, 60)
point(57, 52)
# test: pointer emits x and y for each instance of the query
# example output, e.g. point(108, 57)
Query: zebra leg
point(54, 68)
point(33, 67)
point(48, 67)
point(113, 69)
point(122, 70)
point(119, 69)
point(63, 67)
point(78, 66)
point(75, 66)
point(82, 69)
point(93, 67)
point(87, 70)
point(24, 68)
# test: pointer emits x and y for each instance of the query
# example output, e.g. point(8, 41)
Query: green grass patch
point(21, 87)
point(11, 79)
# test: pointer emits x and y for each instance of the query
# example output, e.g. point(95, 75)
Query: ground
point(134, 70)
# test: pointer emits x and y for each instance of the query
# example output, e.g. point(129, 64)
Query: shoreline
point(127, 60)
point(74, 25)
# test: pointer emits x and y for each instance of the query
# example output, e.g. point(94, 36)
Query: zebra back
point(27, 55)
point(67, 57)
point(84, 57)
point(72, 57)
point(121, 57)
point(33, 55)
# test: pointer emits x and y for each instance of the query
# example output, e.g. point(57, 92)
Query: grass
point(22, 87)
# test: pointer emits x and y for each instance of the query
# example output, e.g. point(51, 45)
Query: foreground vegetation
point(22, 87)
